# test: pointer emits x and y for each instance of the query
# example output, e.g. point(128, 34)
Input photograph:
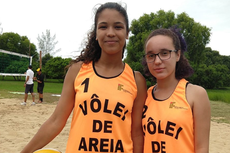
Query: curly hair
point(92, 50)
point(183, 68)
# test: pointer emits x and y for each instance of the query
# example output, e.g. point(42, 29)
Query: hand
point(24, 84)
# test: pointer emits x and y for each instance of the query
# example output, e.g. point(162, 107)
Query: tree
point(226, 61)
point(212, 76)
point(19, 44)
point(139, 31)
point(212, 57)
point(220, 64)
point(47, 43)
point(55, 68)
point(195, 34)
point(45, 59)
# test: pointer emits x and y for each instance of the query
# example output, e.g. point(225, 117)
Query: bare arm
point(27, 78)
point(137, 132)
point(54, 125)
point(202, 115)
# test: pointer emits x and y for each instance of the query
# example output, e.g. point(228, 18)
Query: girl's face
point(162, 69)
point(111, 31)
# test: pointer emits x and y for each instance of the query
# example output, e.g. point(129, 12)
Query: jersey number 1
point(86, 82)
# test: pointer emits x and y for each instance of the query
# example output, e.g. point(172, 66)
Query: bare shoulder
point(74, 69)
point(196, 95)
point(196, 90)
point(139, 77)
point(141, 83)
point(68, 91)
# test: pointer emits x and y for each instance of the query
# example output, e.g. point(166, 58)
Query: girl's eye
point(102, 27)
point(151, 55)
point(164, 53)
point(118, 27)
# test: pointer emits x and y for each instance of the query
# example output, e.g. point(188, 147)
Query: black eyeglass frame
point(159, 56)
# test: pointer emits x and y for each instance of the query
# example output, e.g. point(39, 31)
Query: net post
point(40, 59)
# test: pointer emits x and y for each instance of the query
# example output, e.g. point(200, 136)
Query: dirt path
point(19, 123)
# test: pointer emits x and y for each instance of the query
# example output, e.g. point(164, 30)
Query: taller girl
point(105, 94)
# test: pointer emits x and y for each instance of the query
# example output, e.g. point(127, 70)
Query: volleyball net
point(13, 64)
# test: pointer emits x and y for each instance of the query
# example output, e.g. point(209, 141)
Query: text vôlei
point(102, 144)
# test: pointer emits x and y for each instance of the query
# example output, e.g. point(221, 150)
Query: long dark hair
point(183, 68)
point(92, 50)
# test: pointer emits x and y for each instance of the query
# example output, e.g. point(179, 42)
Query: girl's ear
point(178, 55)
point(127, 35)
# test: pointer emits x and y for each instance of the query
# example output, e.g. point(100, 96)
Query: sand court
point(18, 124)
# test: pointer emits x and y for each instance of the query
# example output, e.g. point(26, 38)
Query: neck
point(164, 88)
point(168, 83)
point(110, 61)
point(109, 68)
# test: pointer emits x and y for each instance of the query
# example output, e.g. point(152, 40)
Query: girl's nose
point(111, 32)
point(157, 59)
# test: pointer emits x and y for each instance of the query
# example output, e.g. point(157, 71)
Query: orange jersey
point(168, 124)
point(102, 115)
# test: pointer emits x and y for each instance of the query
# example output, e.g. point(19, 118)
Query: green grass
point(219, 95)
point(220, 112)
point(219, 99)
point(18, 86)
point(9, 85)
point(220, 105)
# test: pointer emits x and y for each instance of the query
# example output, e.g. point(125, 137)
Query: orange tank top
point(101, 119)
point(168, 124)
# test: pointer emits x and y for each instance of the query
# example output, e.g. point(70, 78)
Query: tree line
point(51, 66)
point(211, 70)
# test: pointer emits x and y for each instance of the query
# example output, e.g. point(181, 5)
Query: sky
point(71, 20)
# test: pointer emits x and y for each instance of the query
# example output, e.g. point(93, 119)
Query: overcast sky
point(71, 20)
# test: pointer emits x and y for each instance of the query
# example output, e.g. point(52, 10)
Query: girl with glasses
point(176, 116)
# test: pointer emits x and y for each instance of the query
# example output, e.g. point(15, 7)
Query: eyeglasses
point(163, 55)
